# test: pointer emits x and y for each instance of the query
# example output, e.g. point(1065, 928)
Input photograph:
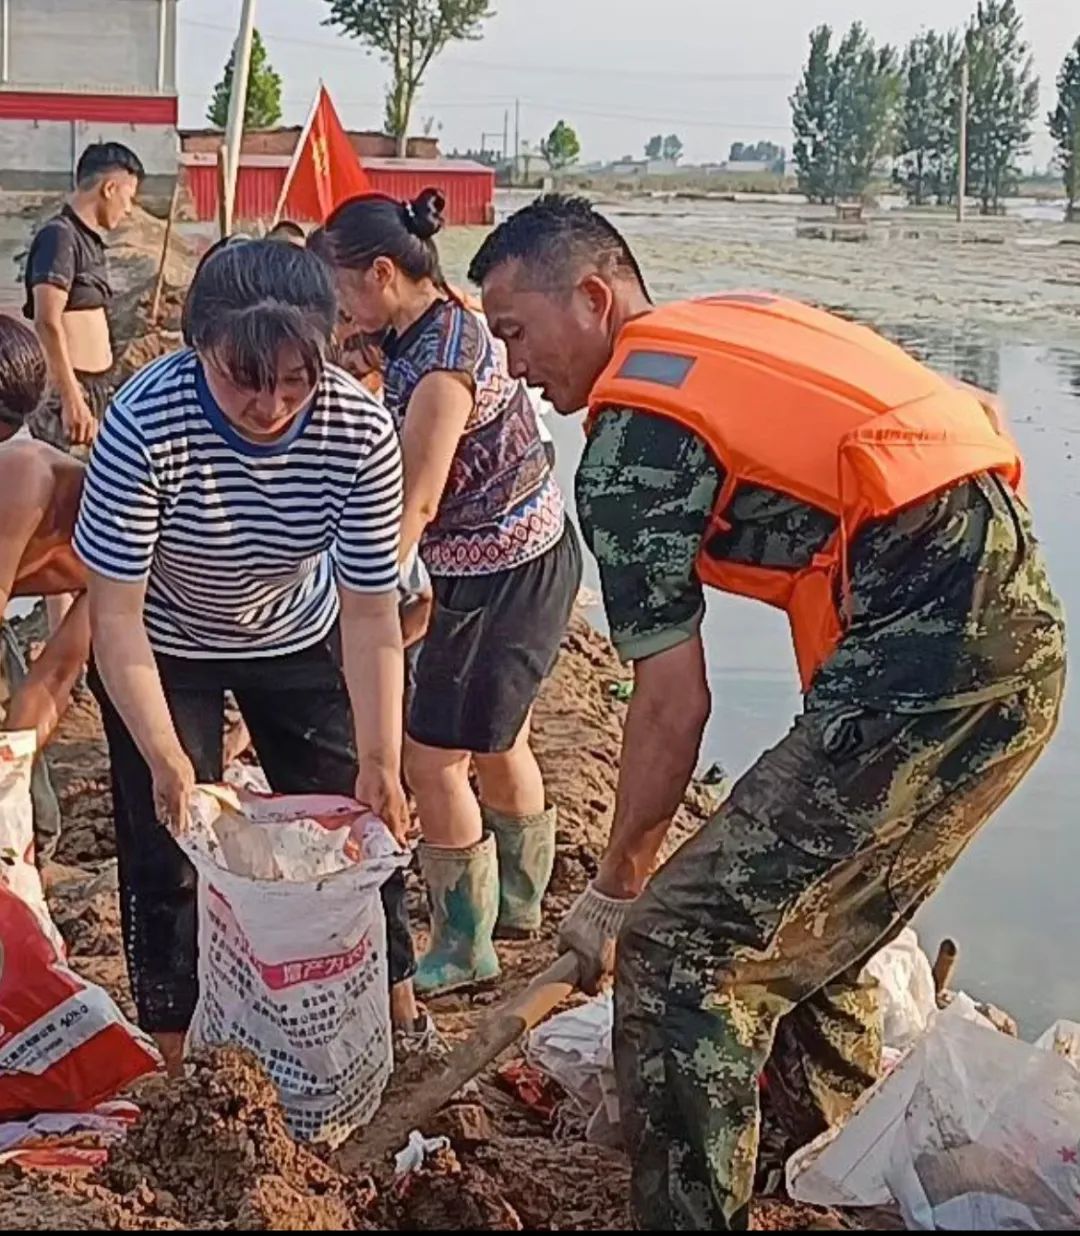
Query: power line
point(505, 67)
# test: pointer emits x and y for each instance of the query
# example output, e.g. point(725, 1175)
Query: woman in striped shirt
point(483, 504)
point(241, 521)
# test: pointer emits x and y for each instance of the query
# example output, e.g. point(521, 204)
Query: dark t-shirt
point(950, 599)
point(67, 254)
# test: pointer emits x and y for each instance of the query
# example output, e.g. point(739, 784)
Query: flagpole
point(301, 142)
point(234, 133)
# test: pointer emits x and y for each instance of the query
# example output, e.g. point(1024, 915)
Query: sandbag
point(64, 1045)
point(292, 948)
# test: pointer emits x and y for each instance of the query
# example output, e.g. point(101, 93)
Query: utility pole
point(234, 132)
point(961, 171)
point(506, 134)
point(517, 140)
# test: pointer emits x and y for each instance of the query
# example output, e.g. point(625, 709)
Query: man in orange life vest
point(777, 452)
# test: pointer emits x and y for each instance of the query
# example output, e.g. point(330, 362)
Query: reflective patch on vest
point(663, 368)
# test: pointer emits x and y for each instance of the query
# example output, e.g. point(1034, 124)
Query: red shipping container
point(469, 187)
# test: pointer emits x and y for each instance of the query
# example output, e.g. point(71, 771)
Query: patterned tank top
point(502, 505)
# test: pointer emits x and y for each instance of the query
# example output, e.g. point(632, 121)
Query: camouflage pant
point(46, 808)
point(744, 954)
point(46, 421)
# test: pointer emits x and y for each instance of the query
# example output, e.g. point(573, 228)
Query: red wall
point(469, 190)
point(100, 108)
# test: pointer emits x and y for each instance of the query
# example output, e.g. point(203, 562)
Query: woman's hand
point(174, 783)
point(378, 787)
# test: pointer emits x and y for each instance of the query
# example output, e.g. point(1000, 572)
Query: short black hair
point(286, 227)
point(102, 158)
point(22, 371)
point(250, 299)
point(552, 237)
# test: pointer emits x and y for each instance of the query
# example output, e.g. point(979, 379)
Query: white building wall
point(112, 46)
point(39, 149)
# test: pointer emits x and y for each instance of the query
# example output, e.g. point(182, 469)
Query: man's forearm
point(661, 741)
point(57, 358)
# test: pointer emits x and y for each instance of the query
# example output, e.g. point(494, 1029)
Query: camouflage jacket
point(950, 600)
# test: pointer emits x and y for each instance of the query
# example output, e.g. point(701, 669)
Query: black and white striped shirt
point(241, 544)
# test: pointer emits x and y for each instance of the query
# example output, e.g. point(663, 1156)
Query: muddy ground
point(211, 1151)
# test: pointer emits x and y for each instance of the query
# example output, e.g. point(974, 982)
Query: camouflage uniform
point(46, 422)
point(741, 963)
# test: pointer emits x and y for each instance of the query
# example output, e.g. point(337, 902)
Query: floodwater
point(1007, 317)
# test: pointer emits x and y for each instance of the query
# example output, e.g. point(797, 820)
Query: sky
point(712, 71)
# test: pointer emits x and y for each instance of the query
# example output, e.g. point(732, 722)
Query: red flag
point(325, 170)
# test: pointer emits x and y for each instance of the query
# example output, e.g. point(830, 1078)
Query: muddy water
point(1011, 901)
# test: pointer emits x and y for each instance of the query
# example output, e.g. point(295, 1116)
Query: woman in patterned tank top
point(482, 503)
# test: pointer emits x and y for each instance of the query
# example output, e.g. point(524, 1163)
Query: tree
point(672, 148)
point(866, 92)
point(769, 153)
point(1064, 123)
point(812, 118)
point(845, 111)
point(1003, 98)
point(263, 106)
point(561, 147)
point(654, 147)
point(927, 140)
point(407, 35)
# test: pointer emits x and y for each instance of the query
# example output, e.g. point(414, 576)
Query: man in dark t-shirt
point(68, 290)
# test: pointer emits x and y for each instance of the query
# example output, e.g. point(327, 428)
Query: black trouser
point(297, 711)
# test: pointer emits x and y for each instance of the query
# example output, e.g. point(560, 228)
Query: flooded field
point(1004, 312)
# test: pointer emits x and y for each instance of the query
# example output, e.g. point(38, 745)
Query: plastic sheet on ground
point(972, 1131)
point(574, 1048)
point(906, 990)
point(66, 1140)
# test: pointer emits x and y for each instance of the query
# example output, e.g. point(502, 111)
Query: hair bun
point(424, 214)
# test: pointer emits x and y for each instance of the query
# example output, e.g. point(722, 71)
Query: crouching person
point(240, 523)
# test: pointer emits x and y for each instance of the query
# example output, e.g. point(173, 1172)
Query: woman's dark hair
point(374, 226)
point(251, 298)
point(22, 371)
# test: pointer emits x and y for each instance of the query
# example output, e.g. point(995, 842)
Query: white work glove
point(590, 930)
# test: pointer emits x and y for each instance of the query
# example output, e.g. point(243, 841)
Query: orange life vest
point(800, 401)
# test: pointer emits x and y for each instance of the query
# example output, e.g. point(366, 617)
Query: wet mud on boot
point(463, 894)
point(526, 849)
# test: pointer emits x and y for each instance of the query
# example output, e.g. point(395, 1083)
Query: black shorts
point(492, 641)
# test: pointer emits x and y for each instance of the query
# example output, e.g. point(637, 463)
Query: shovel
point(501, 1028)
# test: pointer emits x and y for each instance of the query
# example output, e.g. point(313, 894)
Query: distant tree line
point(858, 106)
point(769, 154)
point(668, 148)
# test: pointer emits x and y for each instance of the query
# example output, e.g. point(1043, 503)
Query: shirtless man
point(40, 489)
point(67, 291)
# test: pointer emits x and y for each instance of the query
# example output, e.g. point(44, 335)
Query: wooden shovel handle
point(500, 1029)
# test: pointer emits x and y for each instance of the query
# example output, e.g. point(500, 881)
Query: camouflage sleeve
point(645, 489)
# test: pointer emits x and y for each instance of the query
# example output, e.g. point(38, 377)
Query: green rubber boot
point(463, 893)
point(526, 848)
